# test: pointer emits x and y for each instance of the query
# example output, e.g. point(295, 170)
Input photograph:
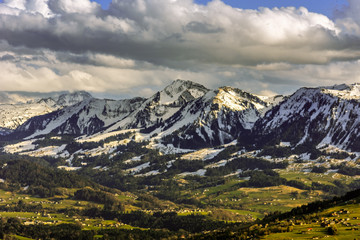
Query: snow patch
point(200, 172)
point(138, 168)
point(134, 159)
point(203, 154)
point(151, 173)
point(21, 146)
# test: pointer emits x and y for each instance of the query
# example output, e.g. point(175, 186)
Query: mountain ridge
point(17, 112)
point(188, 115)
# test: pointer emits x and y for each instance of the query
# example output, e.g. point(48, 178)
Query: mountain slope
point(315, 116)
point(86, 117)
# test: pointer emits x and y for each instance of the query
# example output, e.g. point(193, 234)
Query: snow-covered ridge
point(72, 98)
point(12, 116)
point(17, 108)
point(344, 91)
point(181, 90)
point(7, 97)
point(63, 98)
point(186, 117)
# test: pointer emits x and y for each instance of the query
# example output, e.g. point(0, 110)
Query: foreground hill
point(337, 218)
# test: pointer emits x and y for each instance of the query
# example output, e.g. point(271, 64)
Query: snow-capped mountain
point(162, 105)
point(214, 119)
point(17, 97)
point(188, 115)
point(86, 117)
point(316, 116)
point(18, 112)
point(72, 98)
point(184, 113)
point(89, 117)
point(13, 115)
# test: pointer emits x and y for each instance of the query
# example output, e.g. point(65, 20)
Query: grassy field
point(256, 200)
point(347, 224)
point(267, 199)
point(309, 177)
point(240, 202)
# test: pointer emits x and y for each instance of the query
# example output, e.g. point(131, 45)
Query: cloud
point(198, 27)
point(70, 6)
point(142, 44)
point(163, 31)
point(46, 72)
point(348, 18)
point(7, 57)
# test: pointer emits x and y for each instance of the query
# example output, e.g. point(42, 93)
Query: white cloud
point(267, 93)
point(162, 31)
point(71, 6)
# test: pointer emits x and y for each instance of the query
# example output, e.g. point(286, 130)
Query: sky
point(325, 7)
point(129, 48)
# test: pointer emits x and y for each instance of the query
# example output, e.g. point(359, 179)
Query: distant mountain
point(27, 105)
point(315, 116)
point(86, 117)
point(17, 97)
point(185, 114)
point(69, 99)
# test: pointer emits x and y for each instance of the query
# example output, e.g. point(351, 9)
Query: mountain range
point(190, 116)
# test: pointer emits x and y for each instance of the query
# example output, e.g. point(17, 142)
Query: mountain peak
point(69, 99)
point(178, 86)
point(179, 92)
point(237, 99)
